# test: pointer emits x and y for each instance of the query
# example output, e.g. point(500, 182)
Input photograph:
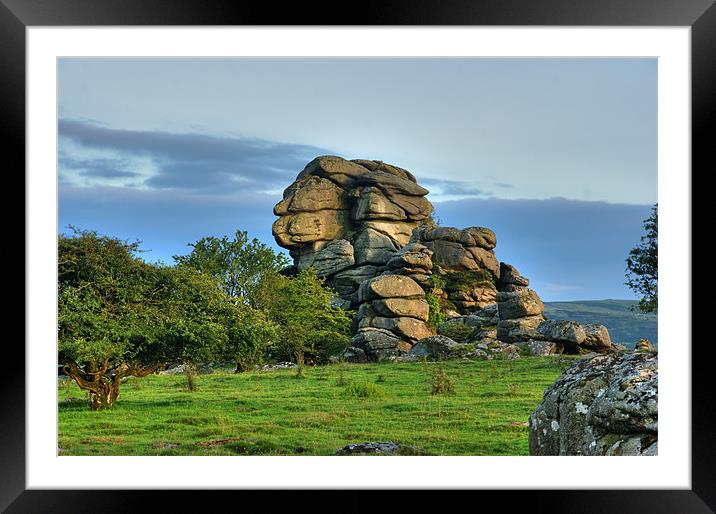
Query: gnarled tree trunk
point(102, 383)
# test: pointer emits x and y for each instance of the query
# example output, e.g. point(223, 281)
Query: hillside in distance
point(625, 326)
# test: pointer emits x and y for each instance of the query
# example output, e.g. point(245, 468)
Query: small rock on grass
point(379, 448)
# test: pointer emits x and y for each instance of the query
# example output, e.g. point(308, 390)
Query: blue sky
point(558, 156)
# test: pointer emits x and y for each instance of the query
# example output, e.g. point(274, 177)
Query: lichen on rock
point(603, 405)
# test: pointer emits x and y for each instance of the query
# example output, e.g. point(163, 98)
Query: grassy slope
point(275, 413)
point(625, 326)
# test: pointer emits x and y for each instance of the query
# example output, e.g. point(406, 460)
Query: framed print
point(131, 126)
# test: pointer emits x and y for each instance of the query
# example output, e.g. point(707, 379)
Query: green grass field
point(277, 413)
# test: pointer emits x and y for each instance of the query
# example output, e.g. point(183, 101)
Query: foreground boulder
point(603, 405)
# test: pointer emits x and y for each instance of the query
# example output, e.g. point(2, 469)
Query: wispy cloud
point(555, 289)
point(99, 168)
point(452, 189)
point(92, 154)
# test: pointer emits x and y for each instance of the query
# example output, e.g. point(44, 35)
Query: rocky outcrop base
point(390, 319)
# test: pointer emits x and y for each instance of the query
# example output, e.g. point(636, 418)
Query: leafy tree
point(237, 264)
point(250, 333)
point(311, 328)
point(642, 265)
point(119, 316)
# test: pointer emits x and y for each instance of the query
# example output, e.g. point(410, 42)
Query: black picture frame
point(700, 15)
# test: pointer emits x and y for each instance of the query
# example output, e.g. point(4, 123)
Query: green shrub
point(437, 280)
point(463, 349)
point(364, 390)
point(191, 372)
point(299, 366)
point(468, 280)
point(435, 313)
point(119, 316)
point(441, 382)
point(446, 304)
point(458, 332)
point(524, 350)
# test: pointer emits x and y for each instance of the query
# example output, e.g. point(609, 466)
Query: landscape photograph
point(357, 257)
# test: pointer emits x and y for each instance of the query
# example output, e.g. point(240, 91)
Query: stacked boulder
point(572, 337)
point(390, 320)
point(348, 218)
point(466, 263)
point(520, 309)
point(522, 321)
point(415, 261)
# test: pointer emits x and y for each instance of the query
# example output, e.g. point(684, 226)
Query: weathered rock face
point(466, 263)
point(520, 308)
point(434, 347)
point(519, 304)
point(574, 337)
point(520, 329)
point(570, 333)
point(415, 261)
point(354, 220)
point(391, 317)
point(521, 314)
point(597, 338)
point(510, 278)
point(604, 405)
point(348, 218)
point(375, 344)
